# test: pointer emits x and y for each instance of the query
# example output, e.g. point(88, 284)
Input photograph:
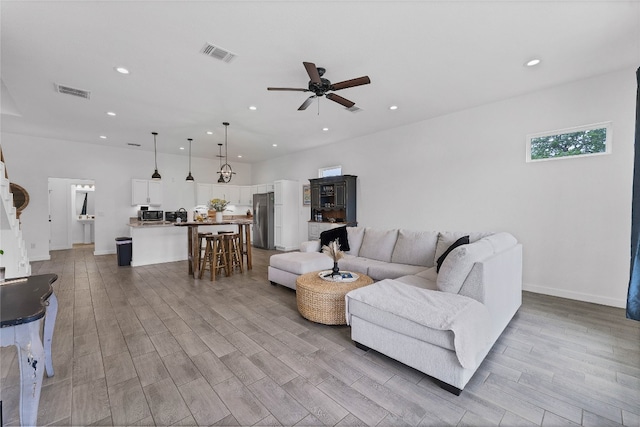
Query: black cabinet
point(333, 199)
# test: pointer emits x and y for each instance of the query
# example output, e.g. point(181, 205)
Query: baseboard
point(39, 258)
point(109, 252)
point(578, 296)
point(286, 248)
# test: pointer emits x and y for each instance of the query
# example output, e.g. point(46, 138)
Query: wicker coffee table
point(322, 301)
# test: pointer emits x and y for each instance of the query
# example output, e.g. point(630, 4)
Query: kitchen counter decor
point(219, 206)
point(333, 251)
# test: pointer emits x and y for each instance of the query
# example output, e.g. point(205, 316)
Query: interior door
point(59, 214)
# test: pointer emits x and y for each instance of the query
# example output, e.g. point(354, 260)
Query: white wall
point(32, 160)
point(467, 171)
point(463, 171)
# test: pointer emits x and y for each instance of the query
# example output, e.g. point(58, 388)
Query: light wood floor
point(151, 346)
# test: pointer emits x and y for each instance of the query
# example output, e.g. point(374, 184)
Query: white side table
point(25, 303)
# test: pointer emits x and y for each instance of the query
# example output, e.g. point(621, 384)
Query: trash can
point(124, 248)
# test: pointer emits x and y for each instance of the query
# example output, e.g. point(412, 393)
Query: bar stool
point(201, 240)
point(215, 256)
point(234, 251)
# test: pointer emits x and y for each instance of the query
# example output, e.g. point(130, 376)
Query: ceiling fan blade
point(306, 103)
point(312, 70)
point(289, 88)
point(340, 100)
point(351, 83)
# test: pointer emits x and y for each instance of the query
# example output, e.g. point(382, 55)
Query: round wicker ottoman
point(322, 301)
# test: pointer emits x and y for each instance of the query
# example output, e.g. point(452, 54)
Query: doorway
point(71, 213)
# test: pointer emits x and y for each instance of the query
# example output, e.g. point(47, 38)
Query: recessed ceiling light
point(325, 129)
point(275, 145)
point(239, 156)
point(103, 137)
point(393, 107)
point(532, 62)
point(110, 113)
point(122, 70)
point(253, 108)
point(209, 132)
point(182, 148)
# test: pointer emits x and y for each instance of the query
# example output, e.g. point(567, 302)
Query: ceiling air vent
point(133, 144)
point(73, 91)
point(217, 52)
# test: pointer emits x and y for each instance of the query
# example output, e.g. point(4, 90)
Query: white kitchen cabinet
point(264, 188)
point(246, 195)
point(221, 191)
point(286, 208)
point(232, 194)
point(203, 193)
point(146, 192)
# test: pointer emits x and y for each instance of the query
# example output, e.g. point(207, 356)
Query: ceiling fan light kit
point(320, 86)
point(156, 176)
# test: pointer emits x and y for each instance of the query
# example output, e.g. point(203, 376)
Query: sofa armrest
point(497, 283)
point(310, 246)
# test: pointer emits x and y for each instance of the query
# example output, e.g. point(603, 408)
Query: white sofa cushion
point(301, 262)
point(420, 282)
point(415, 248)
point(355, 264)
point(447, 238)
point(355, 236)
point(380, 270)
point(310, 246)
point(458, 264)
point(401, 325)
point(378, 244)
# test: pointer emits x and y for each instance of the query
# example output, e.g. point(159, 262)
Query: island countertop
point(147, 224)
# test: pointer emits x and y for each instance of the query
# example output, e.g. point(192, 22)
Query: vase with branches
point(333, 250)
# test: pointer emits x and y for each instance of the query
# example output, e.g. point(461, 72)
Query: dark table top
point(23, 300)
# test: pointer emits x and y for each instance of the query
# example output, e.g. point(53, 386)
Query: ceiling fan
point(320, 86)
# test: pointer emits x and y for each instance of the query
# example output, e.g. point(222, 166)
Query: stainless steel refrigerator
point(263, 222)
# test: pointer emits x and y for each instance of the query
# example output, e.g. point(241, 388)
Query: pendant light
point(226, 173)
point(221, 179)
point(156, 176)
point(190, 177)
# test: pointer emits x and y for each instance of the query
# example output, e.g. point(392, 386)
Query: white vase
point(218, 216)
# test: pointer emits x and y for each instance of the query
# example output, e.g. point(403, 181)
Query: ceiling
point(429, 58)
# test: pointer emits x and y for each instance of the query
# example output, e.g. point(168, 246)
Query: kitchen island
point(155, 242)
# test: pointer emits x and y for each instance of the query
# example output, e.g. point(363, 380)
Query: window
point(578, 141)
point(330, 171)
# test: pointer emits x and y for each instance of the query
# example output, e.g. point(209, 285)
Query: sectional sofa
point(441, 299)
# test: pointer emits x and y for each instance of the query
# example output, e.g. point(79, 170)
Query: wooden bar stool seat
point(215, 256)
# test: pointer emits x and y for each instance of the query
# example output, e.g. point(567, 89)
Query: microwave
point(150, 215)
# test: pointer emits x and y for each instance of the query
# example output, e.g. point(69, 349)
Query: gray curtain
point(633, 297)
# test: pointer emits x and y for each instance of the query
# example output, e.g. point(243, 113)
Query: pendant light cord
point(155, 150)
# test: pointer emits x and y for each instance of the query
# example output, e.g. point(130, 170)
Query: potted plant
point(218, 205)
